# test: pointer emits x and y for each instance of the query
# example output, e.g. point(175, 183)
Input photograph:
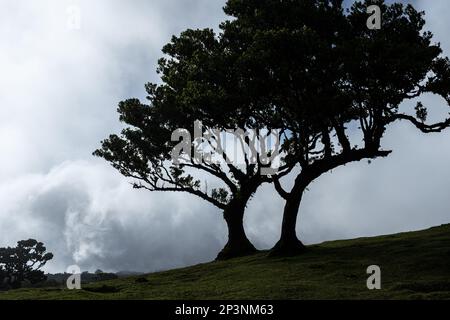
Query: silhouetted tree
point(307, 67)
point(23, 263)
point(199, 82)
point(328, 79)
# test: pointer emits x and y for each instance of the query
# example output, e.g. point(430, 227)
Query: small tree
point(23, 263)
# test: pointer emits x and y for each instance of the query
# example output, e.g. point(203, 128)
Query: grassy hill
point(414, 265)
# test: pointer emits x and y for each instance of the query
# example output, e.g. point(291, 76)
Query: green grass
point(414, 265)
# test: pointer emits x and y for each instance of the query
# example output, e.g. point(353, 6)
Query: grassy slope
point(414, 265)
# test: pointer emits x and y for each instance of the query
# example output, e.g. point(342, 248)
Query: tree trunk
point(289, 244)
point(238, 244)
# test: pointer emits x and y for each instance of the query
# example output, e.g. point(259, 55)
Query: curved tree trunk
point(289, 244)
point(238, 244)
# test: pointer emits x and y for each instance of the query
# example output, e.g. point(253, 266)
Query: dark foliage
point(319, 73)
point(310, 68)
point(23, 263)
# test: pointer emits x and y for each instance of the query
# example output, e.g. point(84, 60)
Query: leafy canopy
point(23, 263)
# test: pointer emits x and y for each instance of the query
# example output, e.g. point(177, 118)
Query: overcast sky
point(59, 88)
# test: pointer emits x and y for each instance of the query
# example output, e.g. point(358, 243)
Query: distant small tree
point(23, 263)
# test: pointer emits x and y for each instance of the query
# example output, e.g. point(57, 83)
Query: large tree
point(200, 81)
point(328, 79)
point(306, 67)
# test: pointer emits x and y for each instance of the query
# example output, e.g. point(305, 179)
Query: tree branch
point(182, 189)
point(436, 127)
point(279, 188)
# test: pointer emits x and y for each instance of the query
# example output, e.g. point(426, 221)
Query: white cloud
point(88, 214)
